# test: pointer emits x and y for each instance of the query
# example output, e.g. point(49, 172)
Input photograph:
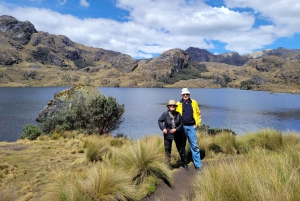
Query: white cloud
point(84, 3)
point(284, 15)
point(155, 26)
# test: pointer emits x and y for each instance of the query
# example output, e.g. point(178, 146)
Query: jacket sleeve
point(197, 113)
point(179, 107)
point(161, 121)
point(180, 125)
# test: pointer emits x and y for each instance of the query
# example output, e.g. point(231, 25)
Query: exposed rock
point(202, 55)
point(257, 80)
point(268, 63)
point(164, 65)
point(66, 99)
point(67, 41)
point(36, 40)
point(91, 69)
point(73, 55)
point(199, 55)
point(9, 57)
point(124, 63)
point(16, 30)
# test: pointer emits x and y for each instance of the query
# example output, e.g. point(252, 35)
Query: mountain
point(202, 55)
point(29, 57)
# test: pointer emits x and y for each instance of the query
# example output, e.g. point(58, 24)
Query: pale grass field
point(257, 166)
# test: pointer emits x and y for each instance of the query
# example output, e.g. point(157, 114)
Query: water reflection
point(286, 114)
point(240, 111)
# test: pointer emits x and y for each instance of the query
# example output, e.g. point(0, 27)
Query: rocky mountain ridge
point(35, 58)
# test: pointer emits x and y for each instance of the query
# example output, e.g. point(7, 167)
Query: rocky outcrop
point(165, 65)
point(67, 99)
point(267, 63)
point(124, 63)
point(202, 55)
point(16, 30)
point(21, 38)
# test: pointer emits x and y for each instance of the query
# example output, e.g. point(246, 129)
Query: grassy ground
point(28, 168)
point(262, 166)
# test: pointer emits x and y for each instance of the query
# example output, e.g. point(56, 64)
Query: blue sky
point(146, 28)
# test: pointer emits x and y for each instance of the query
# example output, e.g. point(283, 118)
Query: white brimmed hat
point(185, 91)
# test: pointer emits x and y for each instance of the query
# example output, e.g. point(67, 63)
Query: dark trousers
point(180, 145)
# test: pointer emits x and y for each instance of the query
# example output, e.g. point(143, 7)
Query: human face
point(172, 107)
point(185, 97)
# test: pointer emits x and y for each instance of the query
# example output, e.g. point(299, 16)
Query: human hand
point(165, 131)
point(173, 130)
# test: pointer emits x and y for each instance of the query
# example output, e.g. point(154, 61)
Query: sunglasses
point(185, 94)
point(172, 105)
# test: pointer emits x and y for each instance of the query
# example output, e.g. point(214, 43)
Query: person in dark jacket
point(171, 124)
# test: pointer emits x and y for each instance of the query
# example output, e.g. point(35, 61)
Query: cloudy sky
point(146, 28)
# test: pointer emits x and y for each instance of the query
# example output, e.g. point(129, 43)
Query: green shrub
point(31, 132)
point(214, 131)
point(101, 114)
point(105, 113)
point(247, 85)
point(81, 63)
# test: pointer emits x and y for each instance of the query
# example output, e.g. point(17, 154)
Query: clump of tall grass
point(98, 183)
point(269, 139)
point(258, 175)
point(291, 138)
point(97, 147)
point(224, 142)
point(142, 160)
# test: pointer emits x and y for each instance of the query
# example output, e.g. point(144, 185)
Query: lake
point(240, 110)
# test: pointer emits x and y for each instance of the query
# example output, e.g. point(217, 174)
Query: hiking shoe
point(199, 170)
point(186, 167)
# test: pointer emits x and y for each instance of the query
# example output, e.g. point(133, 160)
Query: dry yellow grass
point(28, 166)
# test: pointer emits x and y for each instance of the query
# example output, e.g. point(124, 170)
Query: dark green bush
point(81, 63)
point(214, 131)
point(247, 85)
point(100, 115)
point(31, 132)
point(105, 114)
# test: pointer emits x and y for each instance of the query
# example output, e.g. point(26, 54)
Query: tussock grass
point(258, 175)
point(266, 166)
point(268, 169)
point(97, 147)
point(266, 138)
point(144, 159)
point(291, 138)
point(224, 142)
point(98, 183)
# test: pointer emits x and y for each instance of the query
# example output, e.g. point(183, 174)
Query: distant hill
point(29, 57)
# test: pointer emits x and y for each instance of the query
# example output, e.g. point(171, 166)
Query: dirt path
point(182, 186)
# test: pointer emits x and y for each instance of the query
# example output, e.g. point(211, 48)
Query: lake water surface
point(239, 110)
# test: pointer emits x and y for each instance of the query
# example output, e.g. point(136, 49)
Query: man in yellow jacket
point(191, 117)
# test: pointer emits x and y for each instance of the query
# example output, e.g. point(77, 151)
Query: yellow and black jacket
point(196, 110)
